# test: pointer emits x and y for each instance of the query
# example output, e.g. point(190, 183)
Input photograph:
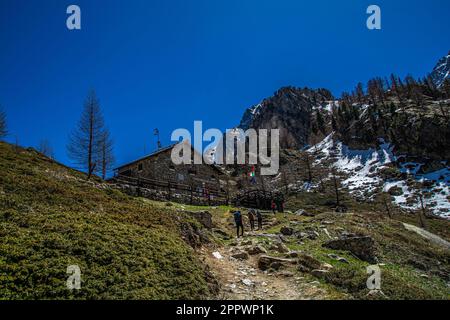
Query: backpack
point(237, 216)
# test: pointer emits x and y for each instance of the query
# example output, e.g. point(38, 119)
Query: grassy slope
point(50, 217)
point(408, 258)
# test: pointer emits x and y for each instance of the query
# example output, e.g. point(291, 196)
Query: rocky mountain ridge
point(442, 71)
point(396, 126)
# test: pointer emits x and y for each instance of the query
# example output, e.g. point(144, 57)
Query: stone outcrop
point(267, 262)
point(256, 250)
point(362, 247)
point(286, 231)
point(307, 263)
point(240, 255)
point(204, 217)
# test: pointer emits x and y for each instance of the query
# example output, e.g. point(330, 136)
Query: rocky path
point(241, 279)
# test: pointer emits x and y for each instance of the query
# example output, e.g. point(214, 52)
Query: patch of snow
point(324, 147)
point(363, 180)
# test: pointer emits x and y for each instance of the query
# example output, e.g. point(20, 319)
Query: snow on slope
point(362, 168)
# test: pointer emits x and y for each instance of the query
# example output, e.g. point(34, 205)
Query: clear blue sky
point(167, 63)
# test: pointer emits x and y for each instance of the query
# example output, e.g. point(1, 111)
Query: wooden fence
point(174, 191)
point(258, 199)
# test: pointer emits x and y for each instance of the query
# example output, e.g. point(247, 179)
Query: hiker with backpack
point(273, 206)
point(251, 219)
point(259, 217)
point(238, 221)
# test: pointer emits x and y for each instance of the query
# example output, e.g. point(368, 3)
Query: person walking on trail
point(274, 207)
point(238, 222)
point(251, 219)
point(259, 217)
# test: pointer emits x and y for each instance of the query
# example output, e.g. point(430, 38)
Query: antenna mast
point(156, 133)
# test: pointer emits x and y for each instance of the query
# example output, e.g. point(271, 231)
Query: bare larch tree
point(46, 148)
point(85, 142)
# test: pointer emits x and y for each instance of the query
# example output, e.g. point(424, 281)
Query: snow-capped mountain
point(441, 71)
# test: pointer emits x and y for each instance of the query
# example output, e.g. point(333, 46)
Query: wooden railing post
point(168, 187)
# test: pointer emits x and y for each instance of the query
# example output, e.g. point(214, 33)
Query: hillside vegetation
point(126, 248)
point(135, 248)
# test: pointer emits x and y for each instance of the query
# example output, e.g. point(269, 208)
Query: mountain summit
point(290, 110)
point(441, 71)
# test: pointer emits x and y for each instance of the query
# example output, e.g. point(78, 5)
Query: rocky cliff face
point(416, 120)
point(291, 110)
point(419, 131)
point(441, 71)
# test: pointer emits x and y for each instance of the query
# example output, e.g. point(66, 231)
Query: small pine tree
point(320, 122)
point(359, 91)
point(333, 123)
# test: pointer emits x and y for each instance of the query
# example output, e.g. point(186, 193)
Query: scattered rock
point(306, 263)
point(309, 234)
point(346, 234)
point(221, 233)
point(193, 235)
point(268, 262)
point(313, 235)
point(362, 247)
point(337, 258)
point(256, 250)
point(217, 255)
point(247, 282)
point(301, 235)
point(302, 212)
point(319, 273)
point(292, 254)
point(343, 260)
point(280, 247)
point(327, 233)
point(376, 294)
point(241, 255)
point(341, 209)
point(333, 256)
point(247, 243)
point(287, 231)
point(327, 266)
point(395, 191)
point(204, 217)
